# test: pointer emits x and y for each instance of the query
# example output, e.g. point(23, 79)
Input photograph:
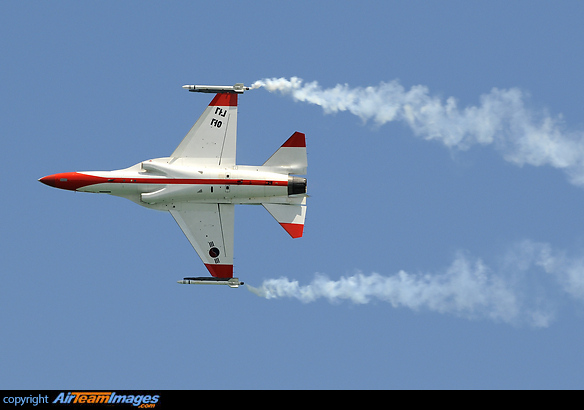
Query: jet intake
point(296, 185)
point(155, 167)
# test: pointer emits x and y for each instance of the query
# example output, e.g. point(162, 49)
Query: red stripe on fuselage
point(194, 181)
point(75, 180)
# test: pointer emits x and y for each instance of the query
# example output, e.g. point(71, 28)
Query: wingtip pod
point(238, 88)
point(231, 282)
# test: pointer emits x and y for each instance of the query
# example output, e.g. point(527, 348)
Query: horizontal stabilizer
point(289, 216)
point(291, 156)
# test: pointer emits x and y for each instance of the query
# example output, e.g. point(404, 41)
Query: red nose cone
point(71, 180)
point(48, 180)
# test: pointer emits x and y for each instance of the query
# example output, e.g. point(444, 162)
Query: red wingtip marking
point(220, 271)
point(296, 140)
point(295, 230)
point(224, 100)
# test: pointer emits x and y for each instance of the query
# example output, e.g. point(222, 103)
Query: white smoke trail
point(502, 118)
point(521, 291)
point(532, 280)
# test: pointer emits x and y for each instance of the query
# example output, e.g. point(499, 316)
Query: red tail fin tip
point(294, 230)
point(296, 140)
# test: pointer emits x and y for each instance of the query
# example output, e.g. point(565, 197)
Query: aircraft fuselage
point(200, 184)
point(156, 183)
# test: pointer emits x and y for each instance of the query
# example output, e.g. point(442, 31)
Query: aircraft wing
point(212, 140)
point(209, 228)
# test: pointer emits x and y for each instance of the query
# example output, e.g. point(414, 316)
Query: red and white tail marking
point(294, 230)
point(291, 157)
point(290, 216)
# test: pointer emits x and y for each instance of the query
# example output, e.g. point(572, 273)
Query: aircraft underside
point(199, 184)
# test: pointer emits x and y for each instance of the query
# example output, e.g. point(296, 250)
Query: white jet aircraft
point(200, 184)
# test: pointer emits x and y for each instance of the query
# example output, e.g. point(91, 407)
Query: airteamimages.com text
point(76, 398)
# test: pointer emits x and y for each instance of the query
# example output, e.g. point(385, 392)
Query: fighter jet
point(200, 184)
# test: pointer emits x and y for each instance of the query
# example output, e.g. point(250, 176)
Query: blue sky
point(489, 237)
